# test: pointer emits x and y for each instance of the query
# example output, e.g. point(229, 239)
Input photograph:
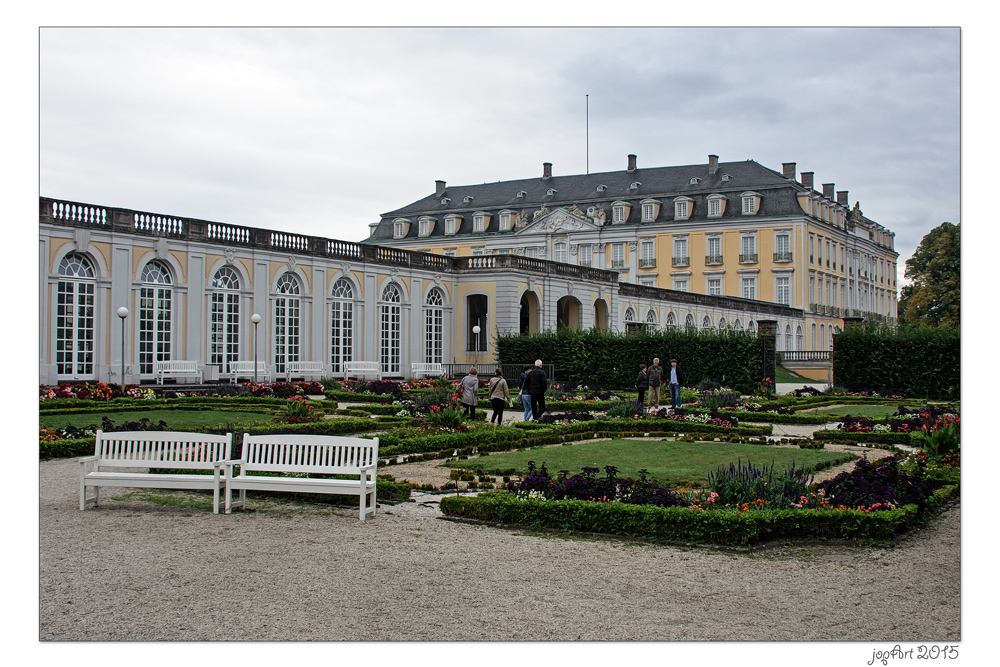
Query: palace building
point(720, 229)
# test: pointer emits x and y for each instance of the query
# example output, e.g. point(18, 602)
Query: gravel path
point(135, 570)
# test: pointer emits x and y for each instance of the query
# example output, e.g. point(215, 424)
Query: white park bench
point(154, 449)
point(423, 370)
point(177, 369)
point(320, 454)
point(362, 368)
point(244, 369)
point(304, 369)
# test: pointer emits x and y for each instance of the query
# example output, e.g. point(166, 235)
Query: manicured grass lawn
point(873, 411)
point(681, 463)
point(782, 374)
point(180, 420)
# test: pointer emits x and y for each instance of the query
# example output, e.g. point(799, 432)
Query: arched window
point(651, 319)
point(671, 320)
point(706, 323)
point(390, 326)
point(224, 319)
point(287, 326)
point(752, 327)
point(434, 327)
point(155, 321)
point(788, 337)
point(75, 318)
point(559, 251)
point(722, 324)
point(799, 338)
point(812, 336)
point(822, 336)
point(629, 314)
point(737, 325)
point(341, 324)
point(689, 321)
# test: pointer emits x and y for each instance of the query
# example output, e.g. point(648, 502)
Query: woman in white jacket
point(468, 388)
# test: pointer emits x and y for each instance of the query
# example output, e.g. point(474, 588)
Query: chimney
point(842, 197)
point(807, 179)
point(439, 190)
point(713, 164)
point(631, 163)
point(828, 191)
point(546, 170)
point(788, 170)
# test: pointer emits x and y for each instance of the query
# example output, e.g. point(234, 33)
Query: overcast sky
point(318, 131)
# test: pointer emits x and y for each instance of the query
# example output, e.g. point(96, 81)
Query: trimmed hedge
point(862, 436)
point(922, 361)
point(676, 524)
point(612, 359)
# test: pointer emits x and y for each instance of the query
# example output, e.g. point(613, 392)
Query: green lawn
point(178, 420)
point(680, 463)
point(873, 411)
point(782, 374)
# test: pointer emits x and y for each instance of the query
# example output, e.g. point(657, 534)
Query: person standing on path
point(523, 396)
point(642, 384)
point(538, 383)
point(655, 375)
point(676, 380)
point(499, 396)
point(469, 386)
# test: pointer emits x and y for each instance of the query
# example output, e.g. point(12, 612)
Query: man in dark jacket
point(538, 382)
point(676, 381)
point(655, 375)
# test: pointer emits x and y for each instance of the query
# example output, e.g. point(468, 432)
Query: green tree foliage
point(935, 295)
point(612, 359)
point(919, 362)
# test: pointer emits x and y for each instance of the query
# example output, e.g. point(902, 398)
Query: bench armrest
point(88, 459)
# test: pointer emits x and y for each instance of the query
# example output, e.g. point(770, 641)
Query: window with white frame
point(155, 319)
point(782, 247)
point(819, 250)
point(504, 221)
point(619, 212)
point(287, 324)
point(681, 257)
point(224, 319)
point(681, 284)
point(812, 249)
point(424, 227)
point(434, 327)
point(478, 251)
point(585, 254)
point(478, 223)
point(799, 338)
point(783, 290)
point(341, 324)
point(714, 286)
point(617, 255)
point(629, 314)
point(559, 251)
point(722, 324)
point(737, 325)
point(715, 206)
point(682, 208)
point(451, 225)
point(648, 281)
point(748, 248)
point(671, 320)
point(649, 211)
point(713, 250)
point(75, 318)
point(398, 229)
point(647, 254)
point(390, 328)
point(651, 319)
point(749, 287)
point(706, 322)
point(531, 252)
point(451, 252)
point(751, 201)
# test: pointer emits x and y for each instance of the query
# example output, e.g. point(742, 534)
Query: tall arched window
point(752, 327)
point(812, 336)
point(706, 323)
point(224, 319)
point(75, 318)
point(390, 325)
point(689, 321)
point(722, 324)
point(671, 320)
point(737, 325)
point(651, 319)
point(155, 321)
point(434, 327)
point(286, 322)
point(341, 324)
point(799, 338)
point(822, 336)
point(629, 314)
point(788, 337)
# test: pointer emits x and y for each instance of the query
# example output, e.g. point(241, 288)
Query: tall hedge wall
point(612, 359)
point(920, 362)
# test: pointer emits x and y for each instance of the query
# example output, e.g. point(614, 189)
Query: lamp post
point(476, 331)
point(255, 318)
point(122, 314)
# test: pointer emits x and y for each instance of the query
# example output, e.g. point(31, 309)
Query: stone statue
point(599, 215)
point(540, 212)
point(575, 210)
point(521, 219)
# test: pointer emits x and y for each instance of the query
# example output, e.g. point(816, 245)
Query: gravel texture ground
point(136, 570)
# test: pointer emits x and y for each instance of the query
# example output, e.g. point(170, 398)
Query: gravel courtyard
point(139, 571)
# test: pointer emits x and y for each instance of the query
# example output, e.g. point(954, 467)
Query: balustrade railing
point(680, 261)
point(782, 256)
point(727, 302)
point(228, 233)
point(72, 212)
point(713, 260)
point(802, 355)
point(750, 258)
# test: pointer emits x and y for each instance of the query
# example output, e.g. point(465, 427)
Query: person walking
point(523, 396)
point(499, 396)
point(655, 375)
point(676, 380)
point(538, 383)
point(642, 384)
point(469, 386)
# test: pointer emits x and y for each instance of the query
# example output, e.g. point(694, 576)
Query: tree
point(935, 296)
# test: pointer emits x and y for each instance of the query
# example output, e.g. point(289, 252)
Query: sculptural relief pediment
point(558, 221)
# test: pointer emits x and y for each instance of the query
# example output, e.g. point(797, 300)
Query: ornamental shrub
point(871, 483)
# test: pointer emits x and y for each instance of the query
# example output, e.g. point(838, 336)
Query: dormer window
point(683, 207)
point(694, 180)
point(399, 227)
point(505, 217)
point(467, 199)
point(634, 185)
point(619, 212)
point(602, 188)
point(451, 224)
point(445, 201)
point(550, 192)
point(716, 205)
point(650, 209)
point(521, 194)
point(480, 220)
point(751, 203)
point(725, 177)
point(425, 226)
